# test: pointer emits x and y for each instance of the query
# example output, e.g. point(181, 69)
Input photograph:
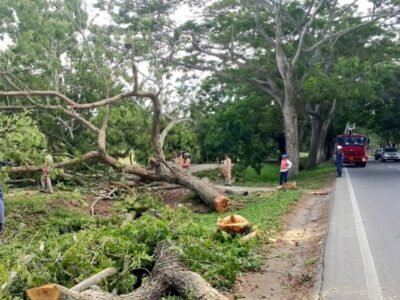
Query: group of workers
point(182, 159)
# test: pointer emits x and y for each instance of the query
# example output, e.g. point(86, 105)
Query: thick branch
point(169, 127)
point(88, 156)
point(168, 274)
point(304, 31)
point(94, 280)
point(76, 105)
point(38, 93)
point(340, 33)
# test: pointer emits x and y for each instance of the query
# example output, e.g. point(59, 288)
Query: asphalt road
point(362, 255)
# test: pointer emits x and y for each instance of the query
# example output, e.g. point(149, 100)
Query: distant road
point(362, 256)
point(204, 167)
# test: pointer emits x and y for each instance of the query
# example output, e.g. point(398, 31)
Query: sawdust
point(293, 261)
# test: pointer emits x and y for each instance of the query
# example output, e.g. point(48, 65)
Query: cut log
point(233, 224)
point(290, 185)
point(46, 292)
point(168, 274)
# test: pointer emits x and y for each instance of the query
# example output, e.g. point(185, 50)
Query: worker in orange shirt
point(179, 158)
point(286, 164)
point(227, 170)
point(186, 162)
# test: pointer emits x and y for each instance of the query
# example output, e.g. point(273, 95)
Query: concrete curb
point(317, 289)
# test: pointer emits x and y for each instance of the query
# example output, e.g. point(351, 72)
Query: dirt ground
point(293, 261)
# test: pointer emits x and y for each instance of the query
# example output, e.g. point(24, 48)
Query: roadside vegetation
point(111, 103)
point(268, 175)
point(54, 238)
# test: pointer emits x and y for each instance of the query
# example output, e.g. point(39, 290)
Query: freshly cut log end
point(290, 185)
point(221, 204)
point(233, 224)
point(45, 292)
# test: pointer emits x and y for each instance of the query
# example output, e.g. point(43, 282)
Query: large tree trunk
point(290, 119)
point(316, 127)
point(173, 174)
point(206, 191)
point(319, 131)
point(322, 153)
point(168, 173)
point(168, 275)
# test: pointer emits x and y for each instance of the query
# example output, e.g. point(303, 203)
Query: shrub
point(250, 174)
point(269, 173)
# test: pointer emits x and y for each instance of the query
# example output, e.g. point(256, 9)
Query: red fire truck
point(354, 146)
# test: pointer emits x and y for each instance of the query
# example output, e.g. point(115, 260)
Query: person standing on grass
point(339, 159)
point(2, 217)
point(227, 170)
point(286, 164)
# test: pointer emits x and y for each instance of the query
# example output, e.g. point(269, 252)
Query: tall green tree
point(272, 44)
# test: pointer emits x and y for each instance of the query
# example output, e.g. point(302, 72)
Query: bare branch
point(170, 125)
point(80, 30)
point(38, 93)
point(266, 88)
point(88, 156)
point(304, 31)
point(70, 128)
point(81, 119)
point(340, 33)
point(16, 107)
point(267, 38)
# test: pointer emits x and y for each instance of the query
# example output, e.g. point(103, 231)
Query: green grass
point(263, 211)
point(307, 179)
point(46, 242)
point(315, 178)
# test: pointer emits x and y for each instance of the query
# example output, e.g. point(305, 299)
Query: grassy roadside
point(52, 238)
point(269, 176)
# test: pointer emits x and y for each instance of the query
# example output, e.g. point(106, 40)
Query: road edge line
point(371, 276)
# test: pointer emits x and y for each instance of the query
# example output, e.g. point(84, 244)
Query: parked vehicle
point(390, 154)
point(378, 154)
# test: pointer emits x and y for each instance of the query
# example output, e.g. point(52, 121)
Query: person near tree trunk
point(286, 164)
point(227, 170)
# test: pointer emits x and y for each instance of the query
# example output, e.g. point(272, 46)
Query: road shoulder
point(293, 265)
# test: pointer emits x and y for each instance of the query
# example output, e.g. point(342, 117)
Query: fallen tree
point(60, 102)
point(167, 275)
point(161, 169)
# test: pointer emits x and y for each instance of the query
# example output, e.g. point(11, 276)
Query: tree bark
point(25, 169)
point(290, 119)
point(319, 131)
point(173, 174)
point(168, 275)
point(94, 280)
point(316, 127)
point(322, 153)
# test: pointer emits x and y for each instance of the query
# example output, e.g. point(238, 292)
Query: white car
point(390, 154)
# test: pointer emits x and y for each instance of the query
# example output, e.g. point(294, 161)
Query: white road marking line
point(371, 276)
